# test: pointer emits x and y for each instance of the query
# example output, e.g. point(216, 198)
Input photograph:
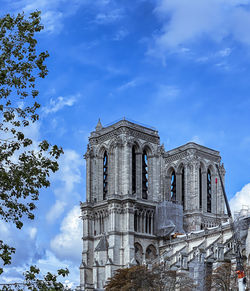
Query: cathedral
point(146, 203)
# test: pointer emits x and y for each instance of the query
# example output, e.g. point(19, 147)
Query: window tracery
point(209, 191)
point(144, 175)
point(105, 175)
point(200, 187)
point(133, 170)
point(183, 187)
point(173, 186)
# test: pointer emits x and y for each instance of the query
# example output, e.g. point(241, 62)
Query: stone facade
point(129, 178)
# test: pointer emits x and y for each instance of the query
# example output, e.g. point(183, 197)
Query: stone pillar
point(213, 194)
point(178, 187)
point(116, 170)
point(126, 169)
point(204, 190)
point(128, 241)
point(139, 174)
point(88, 177)
point(185, 186)
point(150, 176)
point(99, 178)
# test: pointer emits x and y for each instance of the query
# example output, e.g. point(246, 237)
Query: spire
point(99, 125)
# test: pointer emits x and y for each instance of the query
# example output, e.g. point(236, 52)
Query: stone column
point(116, 170)
point(185, 186)
point(88, 178)
point(139, 174)
point(126, 169)
point(150, 176)
point(204, 190)
point(129, 234)
point(178, 186)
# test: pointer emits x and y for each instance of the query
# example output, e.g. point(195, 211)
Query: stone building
point(138, 194)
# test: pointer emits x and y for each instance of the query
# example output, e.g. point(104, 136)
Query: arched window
point(133, 170)
point(135, 221)
point(209, 191)
point(173, 186)
point(105, 175)
point(144, 175)
point(200, 187)
point(183, 187)
point(138, 253)
point(150, 253)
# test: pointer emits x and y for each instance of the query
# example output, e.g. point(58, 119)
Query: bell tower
point(138, 195)
point(122, 190)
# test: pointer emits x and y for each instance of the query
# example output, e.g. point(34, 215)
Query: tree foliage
point(224, 278)
point(24, 167)
point(129, 279)
point(159, 278)
point(32, 281)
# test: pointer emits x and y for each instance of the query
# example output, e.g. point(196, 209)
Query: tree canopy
point(158, 278)
point(25, 167)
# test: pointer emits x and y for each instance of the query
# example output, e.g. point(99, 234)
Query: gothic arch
point(180, 165)
point(151, 253)
point(202, 183)
point(135, 142)
point(138, 253)
point(181, 183)
point(169, 169)
point(212, 169)
point(170, 183)
point(101, 151)
point(148, 148)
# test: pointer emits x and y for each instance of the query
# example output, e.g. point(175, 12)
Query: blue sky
point(182, 66)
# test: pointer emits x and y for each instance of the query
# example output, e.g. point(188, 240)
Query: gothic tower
point(135, 190)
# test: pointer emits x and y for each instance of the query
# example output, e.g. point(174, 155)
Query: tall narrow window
point(209, 191)
point(144, 175)
point(133, 170)
point(200, 187)
point(135, 221)
point(105, 175)
point(183, 187)
point(173, 186)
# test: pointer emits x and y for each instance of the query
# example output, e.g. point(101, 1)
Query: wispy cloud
point(55, 211)
point(185, 23)
point(53, 12)
point(108, 17)
point(66, 179)
point(167, 93)
point(128, 85)
point(67, 244)
point(121, 34)
point(59, 103)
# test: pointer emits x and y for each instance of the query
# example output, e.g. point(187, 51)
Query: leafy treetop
point(24, 168)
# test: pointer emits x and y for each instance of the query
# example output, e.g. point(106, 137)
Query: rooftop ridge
point(131, 121)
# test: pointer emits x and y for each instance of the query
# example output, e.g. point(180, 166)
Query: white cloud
point(121, 34)
point(109, 16)
point(241, 199)
point(68, 176)
point(225, 52)
point(32, 232)
point(55, 211)
point(67, 244)
point(167, 93)
point(130, 84)
point(59, 103)
point(185, 22)
point(53, 12)
point(69, 172)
